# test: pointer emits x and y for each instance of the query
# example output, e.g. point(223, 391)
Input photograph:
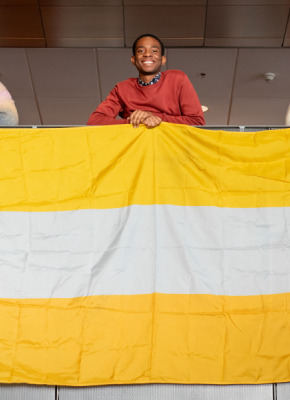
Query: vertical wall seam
point(124, 25)
point(205, 19)
point(98, 73)
point(41, 19)
point(233, 86)
point(285, 31)
point(33, 87)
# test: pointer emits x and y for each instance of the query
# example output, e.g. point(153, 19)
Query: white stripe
point(145, 249)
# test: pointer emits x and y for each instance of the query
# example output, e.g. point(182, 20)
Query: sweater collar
point(154, 80)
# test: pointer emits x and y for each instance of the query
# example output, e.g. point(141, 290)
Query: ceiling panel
point(181, 42)
point(22, 42)
point(253, 63)
point(172, 42)
point(14, 72)
point(67, 111)
point(83, 22)
point(85, 42)
point(64, 72)
point(243, 42)
point(248, 2)
point(165, 2)
point(82, 3)
point(18, 2)
point(185, 22)
point(246, 21)
point(179, 23)
point(217, 64)
point(114, 66)
point(20, 22)
point(218, 110)
point(258, 111)
point(28, 111)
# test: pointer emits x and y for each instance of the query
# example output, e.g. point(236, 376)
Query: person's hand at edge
point(152, 121)
point(138, 116)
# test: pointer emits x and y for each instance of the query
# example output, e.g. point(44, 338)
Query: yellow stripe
point(116, 166)
point(146, 338)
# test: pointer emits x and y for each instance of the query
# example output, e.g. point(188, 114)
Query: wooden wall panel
point(64, 72)
point(21, 26)
point(251, 66)
point(243, 25)
point(175, 25)
point(70, 26)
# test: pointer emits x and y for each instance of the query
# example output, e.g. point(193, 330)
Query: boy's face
point(148, 59)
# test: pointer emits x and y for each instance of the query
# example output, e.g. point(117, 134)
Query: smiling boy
point(154, 96)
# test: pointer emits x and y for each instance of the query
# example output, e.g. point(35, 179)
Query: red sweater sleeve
point(189, 105)
point(108, 110)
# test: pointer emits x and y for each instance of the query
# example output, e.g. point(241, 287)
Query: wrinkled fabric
point(143, 256)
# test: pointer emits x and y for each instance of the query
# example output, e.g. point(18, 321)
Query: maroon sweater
point(172, 98)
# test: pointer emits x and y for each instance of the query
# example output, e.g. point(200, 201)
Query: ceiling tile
point(253, 63)
point(218, 109)
point(82, 3)
point(165, 2)
point(85, 42)
point(248, 2)
point(18, 2)
point(27, 111)
point(183, 42)
point(246, 21)
point(114, 66)
point(181, 22)
point(20, 22)
point(83, 22)
point(22, 42)
point(173, 42)
point(14, 72)
point(258, 111)
point(243, 42)
point(67, 111)
point(287, 35)
point(64, 72)
point(217, 64)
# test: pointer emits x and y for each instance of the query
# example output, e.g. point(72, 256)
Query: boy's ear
point(163, 60)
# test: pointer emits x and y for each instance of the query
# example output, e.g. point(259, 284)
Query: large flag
point(137, 256)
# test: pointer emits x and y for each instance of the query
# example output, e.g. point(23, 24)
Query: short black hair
point(146, 35)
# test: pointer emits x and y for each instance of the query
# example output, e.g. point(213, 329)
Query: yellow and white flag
point(137, 256)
